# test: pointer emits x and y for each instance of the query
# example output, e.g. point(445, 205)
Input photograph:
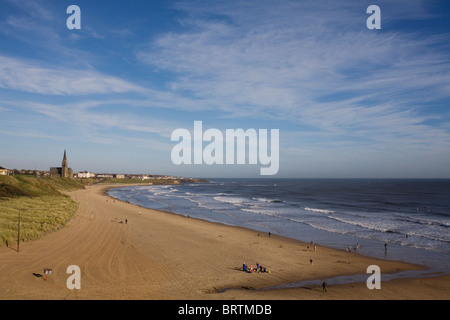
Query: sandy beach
point(128, 252)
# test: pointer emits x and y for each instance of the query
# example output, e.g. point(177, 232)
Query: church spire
point(65, 166)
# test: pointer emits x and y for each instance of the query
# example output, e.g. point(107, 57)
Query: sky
point(348, 101)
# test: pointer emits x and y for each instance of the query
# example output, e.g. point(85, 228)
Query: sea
point(396, 219)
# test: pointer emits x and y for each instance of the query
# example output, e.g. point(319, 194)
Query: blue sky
point(349, 102)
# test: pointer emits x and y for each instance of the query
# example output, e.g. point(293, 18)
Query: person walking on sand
point(324, 286)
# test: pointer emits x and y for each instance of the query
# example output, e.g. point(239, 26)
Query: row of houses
point(87, 174)
point(83, 174)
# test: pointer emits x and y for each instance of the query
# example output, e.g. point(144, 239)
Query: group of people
point(121, 220)
point(312, 246)
point(259, 268)
point(349, 249)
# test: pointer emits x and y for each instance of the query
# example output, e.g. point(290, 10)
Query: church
point(64, 171)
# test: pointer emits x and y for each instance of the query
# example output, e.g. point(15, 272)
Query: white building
point(3, 171)
point(85, 174)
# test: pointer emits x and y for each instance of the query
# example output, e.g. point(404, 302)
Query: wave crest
point(318, 210)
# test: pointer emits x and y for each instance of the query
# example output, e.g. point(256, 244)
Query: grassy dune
point(42, 206)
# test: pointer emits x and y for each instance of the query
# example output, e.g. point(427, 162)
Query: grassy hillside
point(42, 206)
point(18, 186)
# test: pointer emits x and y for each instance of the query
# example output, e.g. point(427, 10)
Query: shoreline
point(159, 255)
point(419, 265)
point(420, 271)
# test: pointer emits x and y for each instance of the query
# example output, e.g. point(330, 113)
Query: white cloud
point(81, 121)
point(308, 63)
point(29, 76)
point(84, 116)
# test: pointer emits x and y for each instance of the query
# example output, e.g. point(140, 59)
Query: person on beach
point(244, 267)
point(324, 286)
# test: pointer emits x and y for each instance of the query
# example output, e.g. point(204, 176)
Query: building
point(85, 174)
point(64, 171)
point(3, 171)
point(103, 175)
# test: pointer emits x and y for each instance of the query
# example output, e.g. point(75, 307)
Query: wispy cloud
point(21, 75)
point(33, 9)
point(308, 63)
point(82, 121)
point(42, 26)
point(85, 116)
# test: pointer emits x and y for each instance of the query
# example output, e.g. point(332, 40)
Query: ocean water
point(412, 217)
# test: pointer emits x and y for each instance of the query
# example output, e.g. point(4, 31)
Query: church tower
point(64, 171)
point(65, 167)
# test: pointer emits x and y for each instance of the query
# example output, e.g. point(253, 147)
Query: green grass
point(38, 216)
point(32, 186)
point(42, 206)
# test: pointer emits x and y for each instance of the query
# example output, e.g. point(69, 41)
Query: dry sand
point(158, 255)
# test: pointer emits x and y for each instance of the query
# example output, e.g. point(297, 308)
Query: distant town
point(84, 174)
point(65, 172)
